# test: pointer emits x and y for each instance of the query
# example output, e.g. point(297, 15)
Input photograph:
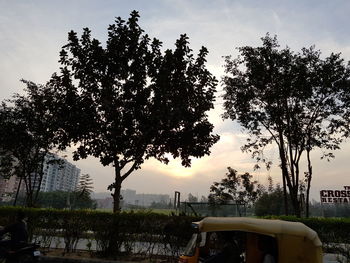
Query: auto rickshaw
point(289, 242)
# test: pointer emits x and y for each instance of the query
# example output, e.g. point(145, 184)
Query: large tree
point(126, 101)
point(27, 135)
point(290, 99)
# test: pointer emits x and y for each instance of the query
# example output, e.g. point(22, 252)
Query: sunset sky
point(32, 33)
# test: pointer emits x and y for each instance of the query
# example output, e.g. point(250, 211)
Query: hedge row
point(114, 234)
point(144, 233)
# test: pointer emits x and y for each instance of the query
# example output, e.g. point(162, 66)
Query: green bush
point(115, 234)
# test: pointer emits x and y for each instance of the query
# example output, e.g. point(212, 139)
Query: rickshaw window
point(191, 246)
point(223, 246)
point(268, 247)
point(202, 239)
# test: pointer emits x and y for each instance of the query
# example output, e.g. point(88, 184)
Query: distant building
point(131, 197)
point(106, 203)
point(62, 176)
point(8, 188)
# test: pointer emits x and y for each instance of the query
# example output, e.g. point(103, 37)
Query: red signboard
point(336, 196)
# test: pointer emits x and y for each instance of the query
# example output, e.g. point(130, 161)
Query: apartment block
point(59, 176)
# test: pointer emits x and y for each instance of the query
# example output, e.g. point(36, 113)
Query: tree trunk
point(117, 188)
point(285, 194)
point(284, 172)
point(29, 200)
point(41, 174)
point(292, 191)
point(29, 189)
point(296, 202)
point(309, 177)
point(17, 192)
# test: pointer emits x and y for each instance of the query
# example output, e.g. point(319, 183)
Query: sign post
point(336, 196)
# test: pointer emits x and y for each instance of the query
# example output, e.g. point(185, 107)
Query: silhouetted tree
point(83, 191)
point(192, 198)
point(271, 201)
point(290, 99)
point(204, 199)
point(126, 102)
point(27, 134)
point(235, 187)
point(58, 199)
point(85, 185)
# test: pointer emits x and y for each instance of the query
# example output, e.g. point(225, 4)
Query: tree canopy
point(293, 100)
point(27, 134)
point(64, 200)
point(85, 186)
point(270, 201)
point(238, 188)
point(127, 101)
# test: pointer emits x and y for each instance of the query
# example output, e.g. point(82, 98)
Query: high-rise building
point(9, 186)
point(59, 176)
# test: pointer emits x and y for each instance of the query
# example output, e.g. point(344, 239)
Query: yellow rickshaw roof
point(260, 226)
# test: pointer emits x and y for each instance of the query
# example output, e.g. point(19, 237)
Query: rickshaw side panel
point(296, 249)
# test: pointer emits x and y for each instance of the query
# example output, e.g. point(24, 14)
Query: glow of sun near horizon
point(174, 168)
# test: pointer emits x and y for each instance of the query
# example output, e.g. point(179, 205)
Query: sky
point(33, 32)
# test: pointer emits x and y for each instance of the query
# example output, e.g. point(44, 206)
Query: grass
point(146, 209)
point(152, 210)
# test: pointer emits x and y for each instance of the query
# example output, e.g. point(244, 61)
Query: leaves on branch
point(127, 101)
point(297, 101)
point(237, 188)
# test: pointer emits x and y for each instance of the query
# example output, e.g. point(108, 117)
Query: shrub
point(115, 234)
